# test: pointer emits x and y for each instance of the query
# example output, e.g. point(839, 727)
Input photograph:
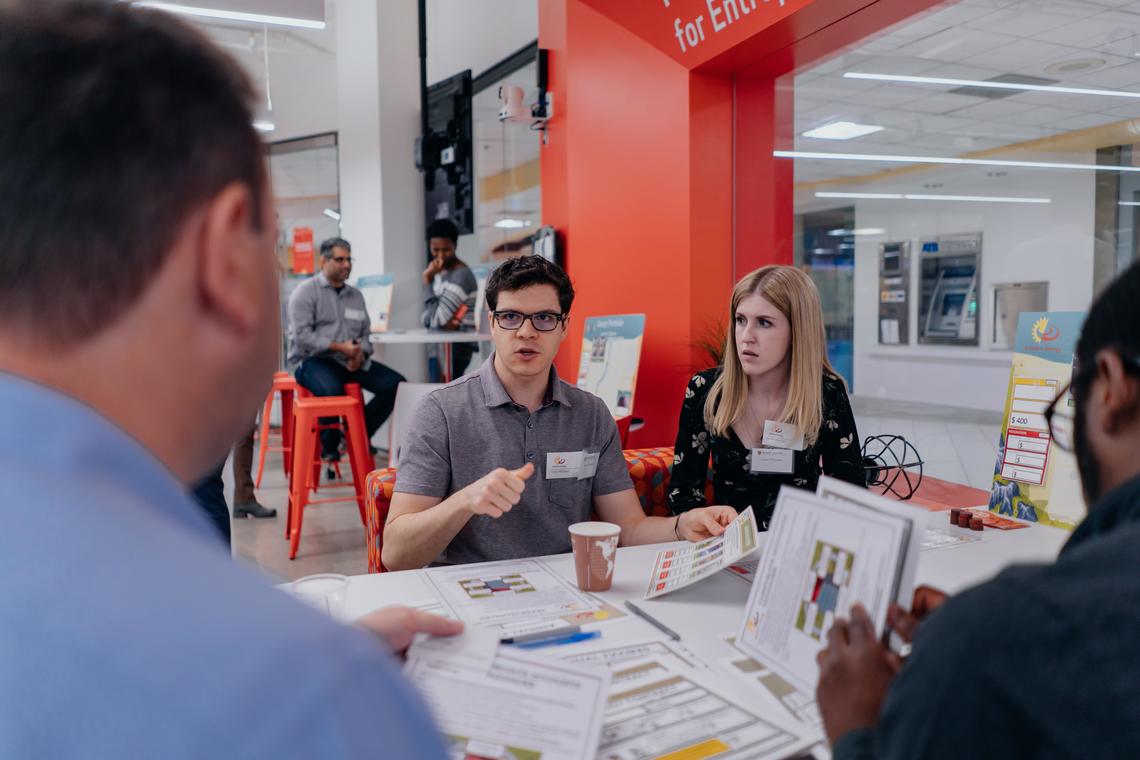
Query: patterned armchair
point(648, 468)
point(378, 487)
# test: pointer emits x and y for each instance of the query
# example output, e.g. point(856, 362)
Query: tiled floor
point(959, 445)
point(955, 444)
point(332, 540)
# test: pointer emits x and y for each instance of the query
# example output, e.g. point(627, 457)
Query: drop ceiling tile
point(1047, 115)
point(1083, 122)
point(1023, 56)
point(1018, 23)
point(1075, 8)
point(893, 64)
point(993, 109)
point(1123, 77)
point(954, 46)
point(942, 103)
point(1128, 111)
point(1086, 32)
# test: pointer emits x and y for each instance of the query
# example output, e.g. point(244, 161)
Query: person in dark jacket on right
point(1044, 660)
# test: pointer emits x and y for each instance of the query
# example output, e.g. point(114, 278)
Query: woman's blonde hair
point(794, 294)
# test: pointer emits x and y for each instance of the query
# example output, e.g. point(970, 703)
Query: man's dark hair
point(328, 245)
point(118, 123)
point(443, 228)
point(524, 271)
point(1113, 322)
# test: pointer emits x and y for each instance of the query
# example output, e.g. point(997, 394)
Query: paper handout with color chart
point(662, 706)
point(821, 556)
point(686, 565)
point(512, 591)
point(512, 705)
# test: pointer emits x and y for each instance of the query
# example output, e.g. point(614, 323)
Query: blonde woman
point(776, 413)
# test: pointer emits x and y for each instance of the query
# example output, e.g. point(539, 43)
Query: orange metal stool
point(306, 413)
point(350, 389)
point(285, 387)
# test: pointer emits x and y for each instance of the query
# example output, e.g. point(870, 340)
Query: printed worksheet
point(821, 556)
point(661, 651)
point(494, 593)
point(524, 707)
point(659, 707)
point(914, 520)
point(686, 565)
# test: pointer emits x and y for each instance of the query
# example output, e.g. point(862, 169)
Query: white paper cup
point(325, 592)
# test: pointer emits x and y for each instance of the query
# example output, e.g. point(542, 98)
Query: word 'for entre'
point(722, 13)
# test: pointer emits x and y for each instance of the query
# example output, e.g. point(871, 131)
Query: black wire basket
point(892, 462)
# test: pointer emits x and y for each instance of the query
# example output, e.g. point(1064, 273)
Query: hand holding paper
point(706, 522)
point(677, 568)
point(855, 671)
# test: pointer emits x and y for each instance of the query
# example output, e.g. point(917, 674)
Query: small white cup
point(325, 592)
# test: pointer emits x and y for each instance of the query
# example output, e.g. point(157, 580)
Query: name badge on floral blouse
point(771, 460)
point(783, 435)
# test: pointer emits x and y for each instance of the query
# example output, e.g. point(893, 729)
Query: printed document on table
point(820, 557)
point(799, 704)
point(525, 707)
point(494, 593)
point(660, 708)
point(686, 565)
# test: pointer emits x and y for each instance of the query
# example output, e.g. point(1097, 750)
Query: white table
point(442, 337)
point(703, 614)
point(705, 611)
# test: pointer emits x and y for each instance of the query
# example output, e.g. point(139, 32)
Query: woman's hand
point(705, 522)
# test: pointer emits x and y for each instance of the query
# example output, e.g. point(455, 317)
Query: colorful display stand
point(1034, 479)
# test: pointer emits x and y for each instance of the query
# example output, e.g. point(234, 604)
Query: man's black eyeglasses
point(1061, 417)
point(543, 321)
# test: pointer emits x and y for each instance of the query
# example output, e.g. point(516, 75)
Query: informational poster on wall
point(1034, 479)
point(303, 250)
point(611, 352)
point(377, 290)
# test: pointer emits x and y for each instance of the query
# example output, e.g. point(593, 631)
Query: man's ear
point(1120, 395)
point(227, 257)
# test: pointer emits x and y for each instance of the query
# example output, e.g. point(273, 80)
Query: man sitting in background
point(328, 343)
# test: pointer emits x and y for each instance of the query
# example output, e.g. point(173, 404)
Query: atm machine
point(894, 293)
point(950, 272)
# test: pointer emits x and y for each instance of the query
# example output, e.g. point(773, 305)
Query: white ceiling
point(974, 40)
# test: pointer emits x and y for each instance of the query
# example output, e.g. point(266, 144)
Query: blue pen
point(560, 640)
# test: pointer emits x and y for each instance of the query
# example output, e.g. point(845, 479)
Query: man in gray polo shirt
point(328, 339)
point(499, 463)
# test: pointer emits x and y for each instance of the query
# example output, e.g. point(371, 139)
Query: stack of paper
point(498, 702)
